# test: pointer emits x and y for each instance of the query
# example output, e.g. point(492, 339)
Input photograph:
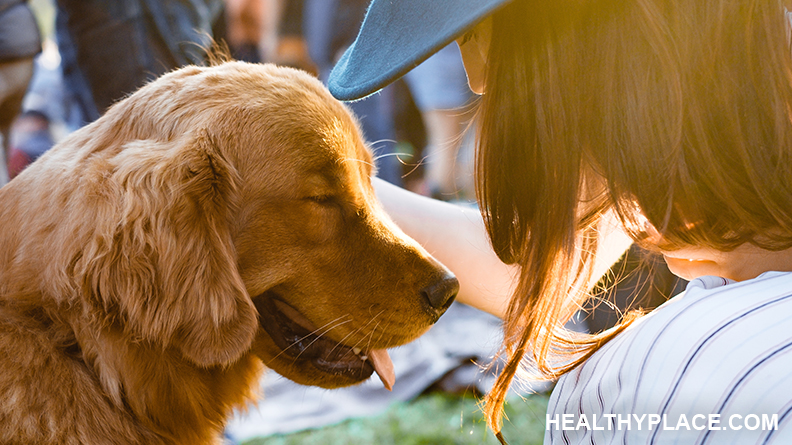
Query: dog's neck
point(182, 402)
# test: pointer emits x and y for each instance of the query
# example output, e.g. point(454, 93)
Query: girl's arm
point(455, 235)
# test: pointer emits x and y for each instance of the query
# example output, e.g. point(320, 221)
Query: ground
point(436, 419)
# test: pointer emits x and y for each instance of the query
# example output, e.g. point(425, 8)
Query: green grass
point(434, 419)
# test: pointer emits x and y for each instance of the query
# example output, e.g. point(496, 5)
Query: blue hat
point(396, 36)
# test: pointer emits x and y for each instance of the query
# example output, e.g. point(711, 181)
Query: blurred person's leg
point(74, 82)
point(445, 130)
point(439, 88)
point(30, 138)
point(112, 49)
point(244, 28)
point(119, 45)
point(318, 28)
point(20, 41)
point(14, 78)
point(376, 119)
point(328, 27)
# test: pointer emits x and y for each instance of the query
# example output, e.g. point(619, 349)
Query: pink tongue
point(383, 366)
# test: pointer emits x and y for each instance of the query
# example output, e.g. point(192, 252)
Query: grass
point(433, 419)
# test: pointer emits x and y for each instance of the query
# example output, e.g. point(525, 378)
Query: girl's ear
point(168, 267)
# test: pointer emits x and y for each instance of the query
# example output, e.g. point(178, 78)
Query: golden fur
point(135, 254)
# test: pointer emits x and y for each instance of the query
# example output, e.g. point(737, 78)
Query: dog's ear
point(168, 267)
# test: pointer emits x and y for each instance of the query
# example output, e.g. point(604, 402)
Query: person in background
point(439, 88)
point(30, 138)
point(20, 41)
point(245, 21)
point(110, 48)
point(666, 121)
point(328, 27)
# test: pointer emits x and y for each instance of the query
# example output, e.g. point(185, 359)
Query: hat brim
point(396, 36)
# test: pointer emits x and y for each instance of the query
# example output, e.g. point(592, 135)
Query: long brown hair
point(680, 111)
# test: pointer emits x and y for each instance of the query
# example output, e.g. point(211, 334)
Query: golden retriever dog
point(217, 222)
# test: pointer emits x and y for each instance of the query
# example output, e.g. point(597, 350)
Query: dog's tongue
point(383, 366)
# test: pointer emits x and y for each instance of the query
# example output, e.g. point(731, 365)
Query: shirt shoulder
point(720, 348)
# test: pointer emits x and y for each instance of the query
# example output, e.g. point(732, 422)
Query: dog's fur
point(134, 256)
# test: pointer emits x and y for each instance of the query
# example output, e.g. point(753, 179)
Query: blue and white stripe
point(720, 348)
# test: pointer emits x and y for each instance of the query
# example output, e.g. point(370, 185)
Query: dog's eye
point(321, 199)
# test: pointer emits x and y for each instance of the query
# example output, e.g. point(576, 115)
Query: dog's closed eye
point(322, 199)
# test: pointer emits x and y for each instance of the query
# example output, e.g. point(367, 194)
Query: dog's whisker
point(368, 335)
point(354, 332)
point(373, 318)
point(340, 343)
point(360, 329)
point(358, 160)
point(329, 324)
point(382, 331)
point(319, 335)
point(373, 144)
point(337, 343)
point(387, 155)
point(398, 157)
point(327, 327)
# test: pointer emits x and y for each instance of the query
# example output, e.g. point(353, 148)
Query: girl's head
point(680, 110)
point(682, 107)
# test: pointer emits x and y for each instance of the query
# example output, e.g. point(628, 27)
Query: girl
point(672, 118)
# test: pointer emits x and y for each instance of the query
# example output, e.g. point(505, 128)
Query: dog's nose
point(441, 293)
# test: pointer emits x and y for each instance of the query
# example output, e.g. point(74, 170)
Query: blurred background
point(95, 52)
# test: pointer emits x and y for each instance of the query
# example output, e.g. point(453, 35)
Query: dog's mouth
point(300, 340)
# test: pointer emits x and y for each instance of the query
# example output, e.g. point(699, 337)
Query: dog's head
point(231, 207)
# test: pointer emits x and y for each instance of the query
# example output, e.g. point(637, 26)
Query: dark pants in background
point(110, 48)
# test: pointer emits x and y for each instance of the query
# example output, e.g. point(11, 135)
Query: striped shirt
point(712, 365)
